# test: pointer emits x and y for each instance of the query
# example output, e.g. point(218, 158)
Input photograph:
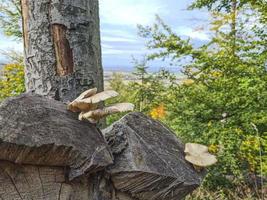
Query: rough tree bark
point(62, 47)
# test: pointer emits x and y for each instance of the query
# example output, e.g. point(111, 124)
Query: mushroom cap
point(102, 96)
point(78, 106)
point(94, 115)
point(86, 94)
point(198, 155)
point(88, 100)
point(121, 107)
point(194, 148)
point(75, 106)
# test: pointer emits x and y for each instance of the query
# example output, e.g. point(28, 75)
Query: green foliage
point(223, 103)
point(12, 75)
point(217, 5)
point(259, 6)
point(146, 92)
point(149, 89)
point(118, 84)
point(11, 80)
point(10, 18)
point(221, 193)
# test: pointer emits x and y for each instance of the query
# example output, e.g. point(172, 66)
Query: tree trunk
point(62, 47)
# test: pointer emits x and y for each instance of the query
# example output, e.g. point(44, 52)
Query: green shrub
point(11, 80)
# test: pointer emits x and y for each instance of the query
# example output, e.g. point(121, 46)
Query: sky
point(118, 22)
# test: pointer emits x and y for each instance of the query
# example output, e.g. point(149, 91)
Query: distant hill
point(3, 61)
point(1, 65)
point(131, 69)
point(126, 69)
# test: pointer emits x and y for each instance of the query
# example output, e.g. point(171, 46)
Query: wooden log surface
point(149, 160)
point(40, 131)
point(46, 153)
point(39, 182)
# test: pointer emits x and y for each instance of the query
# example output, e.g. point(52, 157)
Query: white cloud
point(194, 34)
point(130, 12)
point(110, 50)
point(117, 39)
point(116, 35)
point(6, 43)
point(115, 31)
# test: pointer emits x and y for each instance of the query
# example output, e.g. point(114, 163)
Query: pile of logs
point(47, 153)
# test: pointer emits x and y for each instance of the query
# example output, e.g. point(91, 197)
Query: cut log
point(46, 153)
point(149, 160)
point(39, 183)
point(38, 131)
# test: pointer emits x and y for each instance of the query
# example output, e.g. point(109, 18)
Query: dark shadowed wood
point(149, 160)
point(38, 131)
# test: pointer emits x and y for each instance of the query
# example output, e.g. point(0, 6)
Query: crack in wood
point(41, 181)
point(12, 181)
point(60, 189)
point(25, 177)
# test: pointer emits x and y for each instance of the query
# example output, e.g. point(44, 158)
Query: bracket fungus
point(87, 105)
point(89, 99)
point(95, 115)
point(198, 155)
